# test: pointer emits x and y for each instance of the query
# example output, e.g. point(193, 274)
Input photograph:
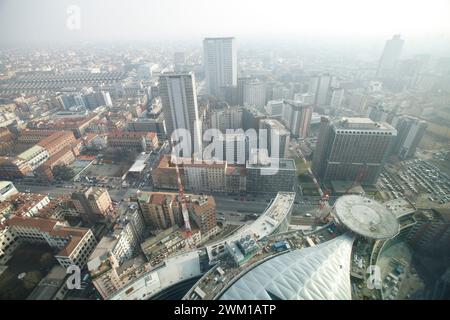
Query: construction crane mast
point(187, 224)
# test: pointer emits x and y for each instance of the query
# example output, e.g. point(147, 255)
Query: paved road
point(224, 203)
point(229, 204)
point(305, 221)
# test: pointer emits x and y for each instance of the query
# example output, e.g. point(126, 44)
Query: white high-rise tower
point(220, 62)
point(179, 104)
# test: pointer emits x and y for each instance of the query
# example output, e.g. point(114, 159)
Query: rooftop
point(139, 163)
point(101, 252)
point(366, 217)
point(131, 134)
point(275, 124)
point(321, 272)
point(175, 269)
point(400, 207)
point(23, 202)
point(31, 152)
point(363, 124)
point(273, 164)
point(267, 222)
point(55, 137)
point(54, 228)
point(4, 184)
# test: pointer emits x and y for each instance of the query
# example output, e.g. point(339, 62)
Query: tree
point(63, 173)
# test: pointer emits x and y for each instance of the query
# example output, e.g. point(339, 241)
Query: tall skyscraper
point(410, 131)
point(297, 117)
point(391, 54)
point(324, 84)
point(220, 62)
point(276, 133)
point(241, 81)
point(336, 98)
point(352, 148)
point(179, 104)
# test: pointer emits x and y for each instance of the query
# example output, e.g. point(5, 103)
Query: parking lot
point(104, 169)
point(418, 180)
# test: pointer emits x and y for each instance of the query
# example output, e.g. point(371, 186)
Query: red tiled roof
point(51, 227)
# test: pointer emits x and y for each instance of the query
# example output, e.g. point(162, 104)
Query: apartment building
point(65, 156)
point(34, 156)
point(7, 190)
point(168, 242)
point(205, 177)
point(57, 141)
point(74, 244)
point(32, 137)
point(93, 204)
point(107, 273)
point(164, 176)
point(6, 140)
point(14, 168)
point(26, 204)
point(158, 209)
point(140, 141)
point(270, 179)
point(202, 210)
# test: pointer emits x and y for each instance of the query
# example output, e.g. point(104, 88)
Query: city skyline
point(103, 20)
point(224, 150)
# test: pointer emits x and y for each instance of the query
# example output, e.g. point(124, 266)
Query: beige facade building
point(93, 204)
point(74, 244)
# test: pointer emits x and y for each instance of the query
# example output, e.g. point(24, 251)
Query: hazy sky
point(45, 20)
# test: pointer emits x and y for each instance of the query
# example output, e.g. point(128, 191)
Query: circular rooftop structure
point(366, 217)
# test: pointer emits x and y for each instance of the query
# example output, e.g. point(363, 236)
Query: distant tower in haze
point(220, 62)
point(391, 54)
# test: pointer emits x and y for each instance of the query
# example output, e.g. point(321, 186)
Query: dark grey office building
point(263, 179)
point(352, 148)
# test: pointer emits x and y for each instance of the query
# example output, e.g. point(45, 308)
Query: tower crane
point(182, 200)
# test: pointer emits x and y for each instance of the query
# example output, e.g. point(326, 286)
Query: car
point(308, 215)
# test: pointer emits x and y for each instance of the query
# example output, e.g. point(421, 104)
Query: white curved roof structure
point(321, 272)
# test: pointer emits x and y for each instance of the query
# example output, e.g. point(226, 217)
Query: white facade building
point(34, 156)
point(255, 94)
point(179, 103)
point(7, 189)
point(220, 62)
